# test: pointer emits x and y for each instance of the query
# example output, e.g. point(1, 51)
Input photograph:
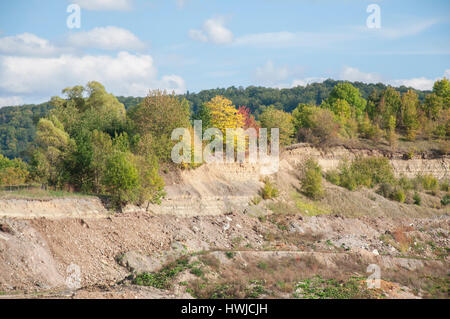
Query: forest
point(18, 123)
point(93, 142)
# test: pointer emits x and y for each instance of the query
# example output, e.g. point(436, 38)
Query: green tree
point(272, 118)
point(409, 114)
point(314, 124)
point(442, 89)
point(159, 114)
point(53, 148)
point(121, 178)
point(433, 105)
point(347, 92)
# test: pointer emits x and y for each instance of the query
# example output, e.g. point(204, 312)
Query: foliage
point(224, 114)
point(445, 200)
point(428, 182)
point(409, 116)
point(368, 172)
point(345, 100)
point(159, 114)
point(273, 118)
point(163, 278)
point(417, 199)
point(311, 179)
point(12, 172)
point(314, 124)
point(121, 178)
point(269, 190)
point(319, 288)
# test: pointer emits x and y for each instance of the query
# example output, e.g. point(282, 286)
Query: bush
point(367, 172)
point(446, 200)
point(311, 180)
point(389, 191)
point(428, 182)
point(333, 176)
point(399, 195)
point(269, 190)
point(315, 125)
point(417, 199)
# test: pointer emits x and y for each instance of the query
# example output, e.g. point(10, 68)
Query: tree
point(314, 124)
point(121, 178)
point(442, 89)
point(249, 119)
point(12, 172)
point(272, 118)
point(151, 185)
point(53, 147)
point(409, 114)
point(433, 105)
point(203, 114)
point(224, 114)
point(159, 114)
point(346, 91)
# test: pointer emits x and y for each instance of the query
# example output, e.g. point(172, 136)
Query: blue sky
point(132, 46)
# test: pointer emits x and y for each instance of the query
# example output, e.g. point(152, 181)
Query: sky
point(133, 46)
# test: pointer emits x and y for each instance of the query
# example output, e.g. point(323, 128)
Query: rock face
point(75, 207)
point(211, 189)
point(330, 159)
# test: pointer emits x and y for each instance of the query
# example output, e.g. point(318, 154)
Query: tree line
point(88, 141)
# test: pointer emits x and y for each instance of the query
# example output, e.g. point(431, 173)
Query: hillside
point(210, 239)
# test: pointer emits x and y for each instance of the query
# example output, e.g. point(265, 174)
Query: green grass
point(164, 278)
point(309, 208)
point(319, 288)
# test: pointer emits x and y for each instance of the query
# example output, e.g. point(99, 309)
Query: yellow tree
point(224, 114)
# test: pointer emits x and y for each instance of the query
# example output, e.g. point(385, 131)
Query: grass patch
point(319, 288)
point(164, 278)
point(309, 208)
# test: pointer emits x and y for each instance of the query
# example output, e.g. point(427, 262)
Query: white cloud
point(421, 83)
point(285, 39)
point(214, 31)
point(306, 81)
point(124, 74)
point(10, 101)
point(406, 30)
point(197, 35)
point(27, 44)
point(268, 74)
point(105, 5)
point(107, 38)
point(447, 74)
point(353, 74)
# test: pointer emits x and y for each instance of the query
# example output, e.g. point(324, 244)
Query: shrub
point(385, 190)
point(446, 200)
point(389, 191)
point(417, 199)
point(399, 195)
point(445, 186)
point(367, 172)
point(429, 182)
point(269, 190)
point(315, 125)
point(311, 180)
point(333, 177)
